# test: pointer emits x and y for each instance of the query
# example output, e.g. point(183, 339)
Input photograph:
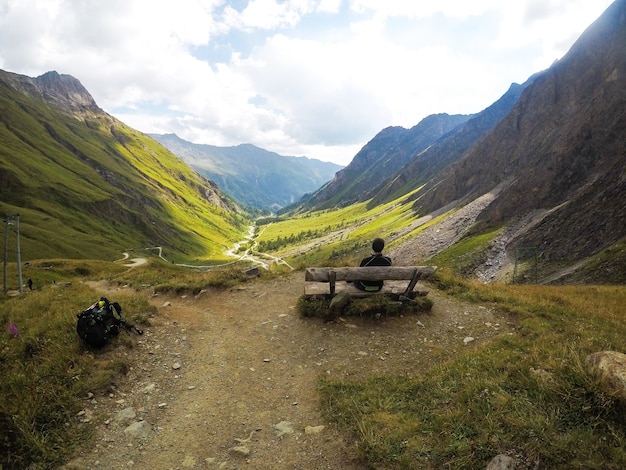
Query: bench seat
point(389, 288)
point(398, 280)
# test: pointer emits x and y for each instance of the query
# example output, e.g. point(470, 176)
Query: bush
point(312, 306)
point(375, 306)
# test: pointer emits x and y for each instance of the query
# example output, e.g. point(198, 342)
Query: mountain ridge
point(88, 186)
point(253, 176)
point(550, 153)
point(560, 148)
point(385, 154)
point(448, 148)
point(552, 159)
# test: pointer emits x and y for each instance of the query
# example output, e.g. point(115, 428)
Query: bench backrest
point(369, 273)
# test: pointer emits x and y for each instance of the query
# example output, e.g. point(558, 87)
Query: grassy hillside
point(87, 186)
point(335, 236)
point(342, 236)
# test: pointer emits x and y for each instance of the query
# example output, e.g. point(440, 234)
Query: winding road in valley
point(263, 260)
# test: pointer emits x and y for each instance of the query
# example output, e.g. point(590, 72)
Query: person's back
point(377, 259)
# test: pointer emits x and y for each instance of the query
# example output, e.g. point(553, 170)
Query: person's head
point(378, 244)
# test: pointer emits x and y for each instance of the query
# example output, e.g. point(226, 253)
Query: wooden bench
point(398, 280)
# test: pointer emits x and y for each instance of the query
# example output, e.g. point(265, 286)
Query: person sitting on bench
point(377, 259)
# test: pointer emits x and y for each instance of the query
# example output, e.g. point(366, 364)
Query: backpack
point(100, 322)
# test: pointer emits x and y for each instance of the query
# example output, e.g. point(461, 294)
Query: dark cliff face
point(389, 151)
point(562, 149)
point(449, 148)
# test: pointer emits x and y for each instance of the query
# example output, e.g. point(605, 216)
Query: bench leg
point(332, 278)
point(411, 286)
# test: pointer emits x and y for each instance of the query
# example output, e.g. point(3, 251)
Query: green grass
point(465, 255)
point(90, 187)
point(490, 399)
point(47, 372)
point(343, 235)
point(374, 306)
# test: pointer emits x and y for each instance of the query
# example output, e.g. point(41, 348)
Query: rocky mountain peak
point(65, 92)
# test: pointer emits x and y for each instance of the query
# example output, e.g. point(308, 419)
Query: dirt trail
point(227, 379)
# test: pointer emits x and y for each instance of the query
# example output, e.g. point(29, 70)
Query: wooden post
point(19, 254)
point(10, 220)
point(414, 279)
point(332, 277)
point(6, 252)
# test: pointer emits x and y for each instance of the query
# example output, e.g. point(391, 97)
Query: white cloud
point(269, 14)
point(329, 6)
point(300, 77)
point(450, 8)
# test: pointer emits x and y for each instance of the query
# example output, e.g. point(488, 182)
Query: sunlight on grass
point(527, 394)
point(337, 236)
point(466, 254)
point(114, 190)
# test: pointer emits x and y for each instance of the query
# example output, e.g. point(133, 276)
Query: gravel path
point(227, 379)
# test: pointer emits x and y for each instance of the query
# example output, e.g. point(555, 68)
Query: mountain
point(544, 166)
point(388, 152)
point(87, 186)
point(449, 148)
point(254, 177)
point(558, 158)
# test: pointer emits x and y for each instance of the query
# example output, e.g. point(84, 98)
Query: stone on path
point(127, 414)
point(502, 462)
point(189, 462)
point(241, 451)
point(282, 428)
point(313, 429)
point(138, 430)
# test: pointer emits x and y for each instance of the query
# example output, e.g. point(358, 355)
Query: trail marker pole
point(6, 253)
point(19, 253)
point(519, 254)
point(8, 221)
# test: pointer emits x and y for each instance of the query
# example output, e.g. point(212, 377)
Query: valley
point(251, 255)
point(520, 206)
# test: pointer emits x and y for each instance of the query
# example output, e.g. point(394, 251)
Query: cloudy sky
point(299, 77)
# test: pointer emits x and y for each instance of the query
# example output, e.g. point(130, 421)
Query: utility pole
point(6, 253)
point(8, 221)
point(19, 254)
point(519, 255)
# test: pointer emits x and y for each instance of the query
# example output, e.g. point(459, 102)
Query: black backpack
point(100, 322)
